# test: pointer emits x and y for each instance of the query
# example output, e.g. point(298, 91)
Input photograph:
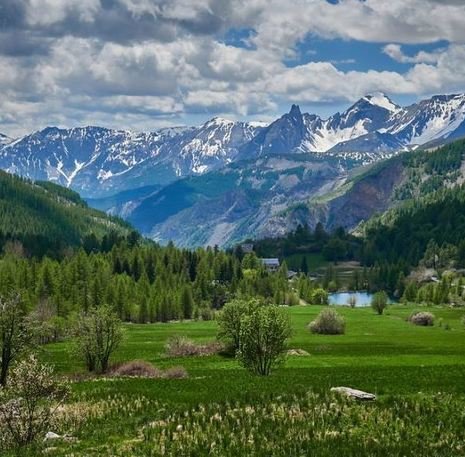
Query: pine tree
point(187, 302)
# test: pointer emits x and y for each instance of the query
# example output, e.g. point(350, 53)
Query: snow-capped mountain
point(214, 144)
point(371, 129)
point(299, 132)
point(97, 161)
point(442, 116)
point(82, 158)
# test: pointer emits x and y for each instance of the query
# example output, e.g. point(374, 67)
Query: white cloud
point(171, 61)
point(394, 51)
point(47, 12)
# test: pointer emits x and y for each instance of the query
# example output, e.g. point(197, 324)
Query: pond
point(342, 298)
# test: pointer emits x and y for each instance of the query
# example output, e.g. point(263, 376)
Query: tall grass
point(291, 425)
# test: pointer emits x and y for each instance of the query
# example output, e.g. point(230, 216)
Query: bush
point(180, 346)
point(206, 314)
point(263, 335)
point(175, 373)
point(319, 297)
point(292, 299)
point(143, 369)
point(229, 321)
point(136, 369)
point(328, 322)
point(379, 302)
point(29, 402)
point(98, 335)
point(422, 318)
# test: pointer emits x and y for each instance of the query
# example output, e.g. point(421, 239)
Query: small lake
point(342, 298)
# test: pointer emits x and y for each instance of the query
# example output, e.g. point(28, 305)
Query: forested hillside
point(430, 209)
point(425, 226)
point(41, 218)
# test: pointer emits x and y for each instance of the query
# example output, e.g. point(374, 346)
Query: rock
point(50, 436)
point(297, 352)
point(354, 393)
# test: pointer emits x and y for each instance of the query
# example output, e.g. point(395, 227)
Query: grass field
point(381, 354)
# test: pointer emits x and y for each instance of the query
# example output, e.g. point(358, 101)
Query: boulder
point(354, 393)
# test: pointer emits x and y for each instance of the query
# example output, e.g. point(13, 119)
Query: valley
point(232, 228)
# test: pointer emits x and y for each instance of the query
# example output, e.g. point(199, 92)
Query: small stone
point(354, 393)
point(297, 352)
point(51, 436)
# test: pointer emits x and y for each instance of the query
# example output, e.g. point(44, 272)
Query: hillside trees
point(140, 283)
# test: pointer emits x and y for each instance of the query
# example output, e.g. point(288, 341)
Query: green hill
point(41, 218)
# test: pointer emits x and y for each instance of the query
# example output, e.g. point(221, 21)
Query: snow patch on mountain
point(327, 136)
point(382, 100)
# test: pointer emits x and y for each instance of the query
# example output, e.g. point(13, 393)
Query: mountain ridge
point(99, 162)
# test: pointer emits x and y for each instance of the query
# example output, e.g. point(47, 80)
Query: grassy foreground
point(418, 373)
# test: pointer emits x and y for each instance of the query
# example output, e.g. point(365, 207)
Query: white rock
point(354, 393)
point(51, 436)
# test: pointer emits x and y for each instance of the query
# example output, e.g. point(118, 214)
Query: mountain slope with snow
point(99, 162)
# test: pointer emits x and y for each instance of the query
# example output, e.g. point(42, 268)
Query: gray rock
point(354, 393)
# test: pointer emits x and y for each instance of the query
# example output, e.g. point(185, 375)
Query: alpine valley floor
point(418, 374)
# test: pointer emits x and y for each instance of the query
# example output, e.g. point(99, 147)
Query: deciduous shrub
point(137, 369)
point(319, 297)
point(98, 335)
point(15, 333)
point(229, 321)
point(263, 335)
point(422, 318)
point(352, 301)
point(379, 302)
point(180, 346)
point(175, 373)
point(328, 322)
point(29, 401)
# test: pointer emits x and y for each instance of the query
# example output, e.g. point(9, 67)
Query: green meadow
point(410, 368)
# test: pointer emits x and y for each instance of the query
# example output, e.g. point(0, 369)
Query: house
point(271, 265)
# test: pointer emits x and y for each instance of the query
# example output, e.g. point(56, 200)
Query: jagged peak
point(295, 110)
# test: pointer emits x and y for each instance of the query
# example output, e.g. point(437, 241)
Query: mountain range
point(228, 180)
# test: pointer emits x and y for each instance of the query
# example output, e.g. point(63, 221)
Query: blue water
point(342, 298)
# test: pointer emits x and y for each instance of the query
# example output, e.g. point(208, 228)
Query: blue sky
point(145, 64)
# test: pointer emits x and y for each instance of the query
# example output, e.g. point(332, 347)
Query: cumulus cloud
point(394, 51)
point(139, 63)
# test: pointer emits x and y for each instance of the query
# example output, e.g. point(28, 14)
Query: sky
point(146, 64)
